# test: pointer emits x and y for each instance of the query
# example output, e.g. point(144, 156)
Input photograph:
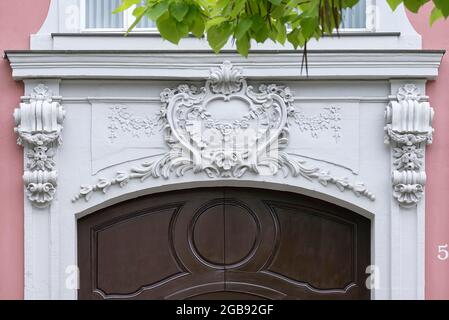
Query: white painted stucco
point(360, 81)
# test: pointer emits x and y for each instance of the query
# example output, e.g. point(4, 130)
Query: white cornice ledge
point(336, 64)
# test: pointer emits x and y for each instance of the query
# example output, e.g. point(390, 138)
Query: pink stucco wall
point(437, 163)
point(18, 19)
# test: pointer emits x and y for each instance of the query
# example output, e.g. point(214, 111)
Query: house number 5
point(443, 253)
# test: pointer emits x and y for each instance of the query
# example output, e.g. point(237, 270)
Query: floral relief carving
point(408, 157)
point(408, 92)
point(227, 128)
point(121, 120)
point(317, 124)
point(409, 128)
point(41, 158)
point(254, 142)
point(39, 126)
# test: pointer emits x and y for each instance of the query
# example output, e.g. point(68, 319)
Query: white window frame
point(370, 14)
point(128, 20)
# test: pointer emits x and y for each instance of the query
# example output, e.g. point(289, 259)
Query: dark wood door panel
point(144, 254)
point(224, 243)
point(318, 250)
point(227, 295)
point(314, 248)
point(118, 252)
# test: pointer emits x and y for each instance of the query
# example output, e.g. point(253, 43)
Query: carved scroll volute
point(408, 130)
point(39, 125)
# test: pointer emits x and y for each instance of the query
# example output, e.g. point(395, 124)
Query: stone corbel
point(38, 123)
point(408, 130)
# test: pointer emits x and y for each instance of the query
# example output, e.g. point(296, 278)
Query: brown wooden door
point(223, 243)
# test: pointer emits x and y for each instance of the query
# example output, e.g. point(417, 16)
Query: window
point(98, 16)
point(355, 18)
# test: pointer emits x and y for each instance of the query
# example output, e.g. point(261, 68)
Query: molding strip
point(344, 64)
point(125, 99)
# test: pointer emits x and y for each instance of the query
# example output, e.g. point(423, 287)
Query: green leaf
point(183, 30)
point(278, 12)
point(414, 5)
point(295, 21)
point(138, 13)
point(296, 38)
point(443, 6)
point(394, 3)
point(349, 3)
point(178, 10)
point(259, 28)
point(275, 2)
point(242, 27)
point(198, 27)
point(218, 35)
point(168, 29)
point(243, 45)
point(157, 10)
point(308, 26)
point(282, 32)
point(215, 21)
point(435, 15)
point(239, 6)
point(126, 4)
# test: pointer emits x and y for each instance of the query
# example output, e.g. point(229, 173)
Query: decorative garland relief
point(255, 142)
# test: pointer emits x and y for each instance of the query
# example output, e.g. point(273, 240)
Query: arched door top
point(224, 243)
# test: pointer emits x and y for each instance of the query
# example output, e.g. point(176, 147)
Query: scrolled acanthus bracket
point(408, 130)
point(38, 124)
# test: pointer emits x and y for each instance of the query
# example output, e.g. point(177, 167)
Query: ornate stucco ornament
point(39, 125)
point(408, 130)
point(227, 129)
